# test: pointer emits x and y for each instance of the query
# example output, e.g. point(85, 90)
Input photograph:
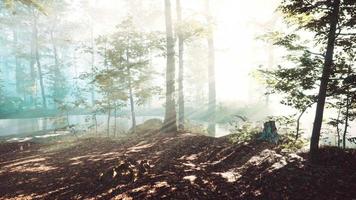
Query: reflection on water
point(82, 122)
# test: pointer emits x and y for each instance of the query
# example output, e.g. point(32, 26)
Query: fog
point(68, 51)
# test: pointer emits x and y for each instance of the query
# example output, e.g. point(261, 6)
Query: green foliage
point(243, 133)
point(191, 29)
point(192, 127)
point(35, 3)
point(297, 82)
point(298, 79)
point(288, 143)
point(126, 55)
point(9, 105)
point(285, 124)
point(58, 84)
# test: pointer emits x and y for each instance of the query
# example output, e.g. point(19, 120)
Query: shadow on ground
point(181, 166)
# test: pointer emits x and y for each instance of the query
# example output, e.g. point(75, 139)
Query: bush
point(192, 127)
point(288, 143)
point(243, 133)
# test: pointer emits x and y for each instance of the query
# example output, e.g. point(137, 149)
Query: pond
point(82, 122)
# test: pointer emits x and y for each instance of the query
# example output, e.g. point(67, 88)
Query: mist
point(113, 71)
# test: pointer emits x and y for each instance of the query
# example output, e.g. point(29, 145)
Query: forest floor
point(170, 166)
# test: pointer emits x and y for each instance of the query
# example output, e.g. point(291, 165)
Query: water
point(82, 122)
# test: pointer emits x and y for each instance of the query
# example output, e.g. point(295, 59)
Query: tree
point(58, 40)
point(19, 19)
point(328, 20)
point(270, 25)
point(344, 94)
point(20, 74)
point(37, 57)
point(328, 62)
point(111, 91)
point(211, 71)
point(57, 78)
point(129, 55)
point(181, 69)
point(170, 121)
point(187, 30)
point(296, 82)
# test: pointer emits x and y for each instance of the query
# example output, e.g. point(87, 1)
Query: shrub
point(243, 133)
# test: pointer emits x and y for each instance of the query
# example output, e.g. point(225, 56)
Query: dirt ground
point(178, 166)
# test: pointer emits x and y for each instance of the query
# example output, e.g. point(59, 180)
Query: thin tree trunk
point(346, 115)
point(115, 116)
point(328, 62)
point(270, 65)
point(68, 124)
point(132, 103)
point(211, 73)
point(56, 61)
point(181, 69)
point(33, 60)
point(298, 124)
point(270, 48)
point(17, 64)
point(170, 121)
point(40, 75)
point(298, 120)
point(131, 97)
point(346, 123)
point(108, 121)
point(92, 92)
point(55, 53)
point(337, 128)
point(19, 73)
point(39, 67)
point(96, 124)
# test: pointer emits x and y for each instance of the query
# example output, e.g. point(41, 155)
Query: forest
point(178, 99)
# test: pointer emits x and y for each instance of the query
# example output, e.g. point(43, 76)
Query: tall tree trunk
point(108, 120)
point(298, 124)
point(18, 72)
point(346, 113)
point(346, 122)
point(270, 49)
point(298, 120)
point(132, 103)
point(115, 116)
point(181, 68)
point(92, 44)
point(337, 127)
point(170, 121)
point(95, 123)
point(67, 117)
point(211, 72)
point(328, 62)
point(39, 67)
point(33, 60)
point(55, 53)
point(56, 60)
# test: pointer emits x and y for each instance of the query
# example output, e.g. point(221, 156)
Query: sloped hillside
point(170, 166)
